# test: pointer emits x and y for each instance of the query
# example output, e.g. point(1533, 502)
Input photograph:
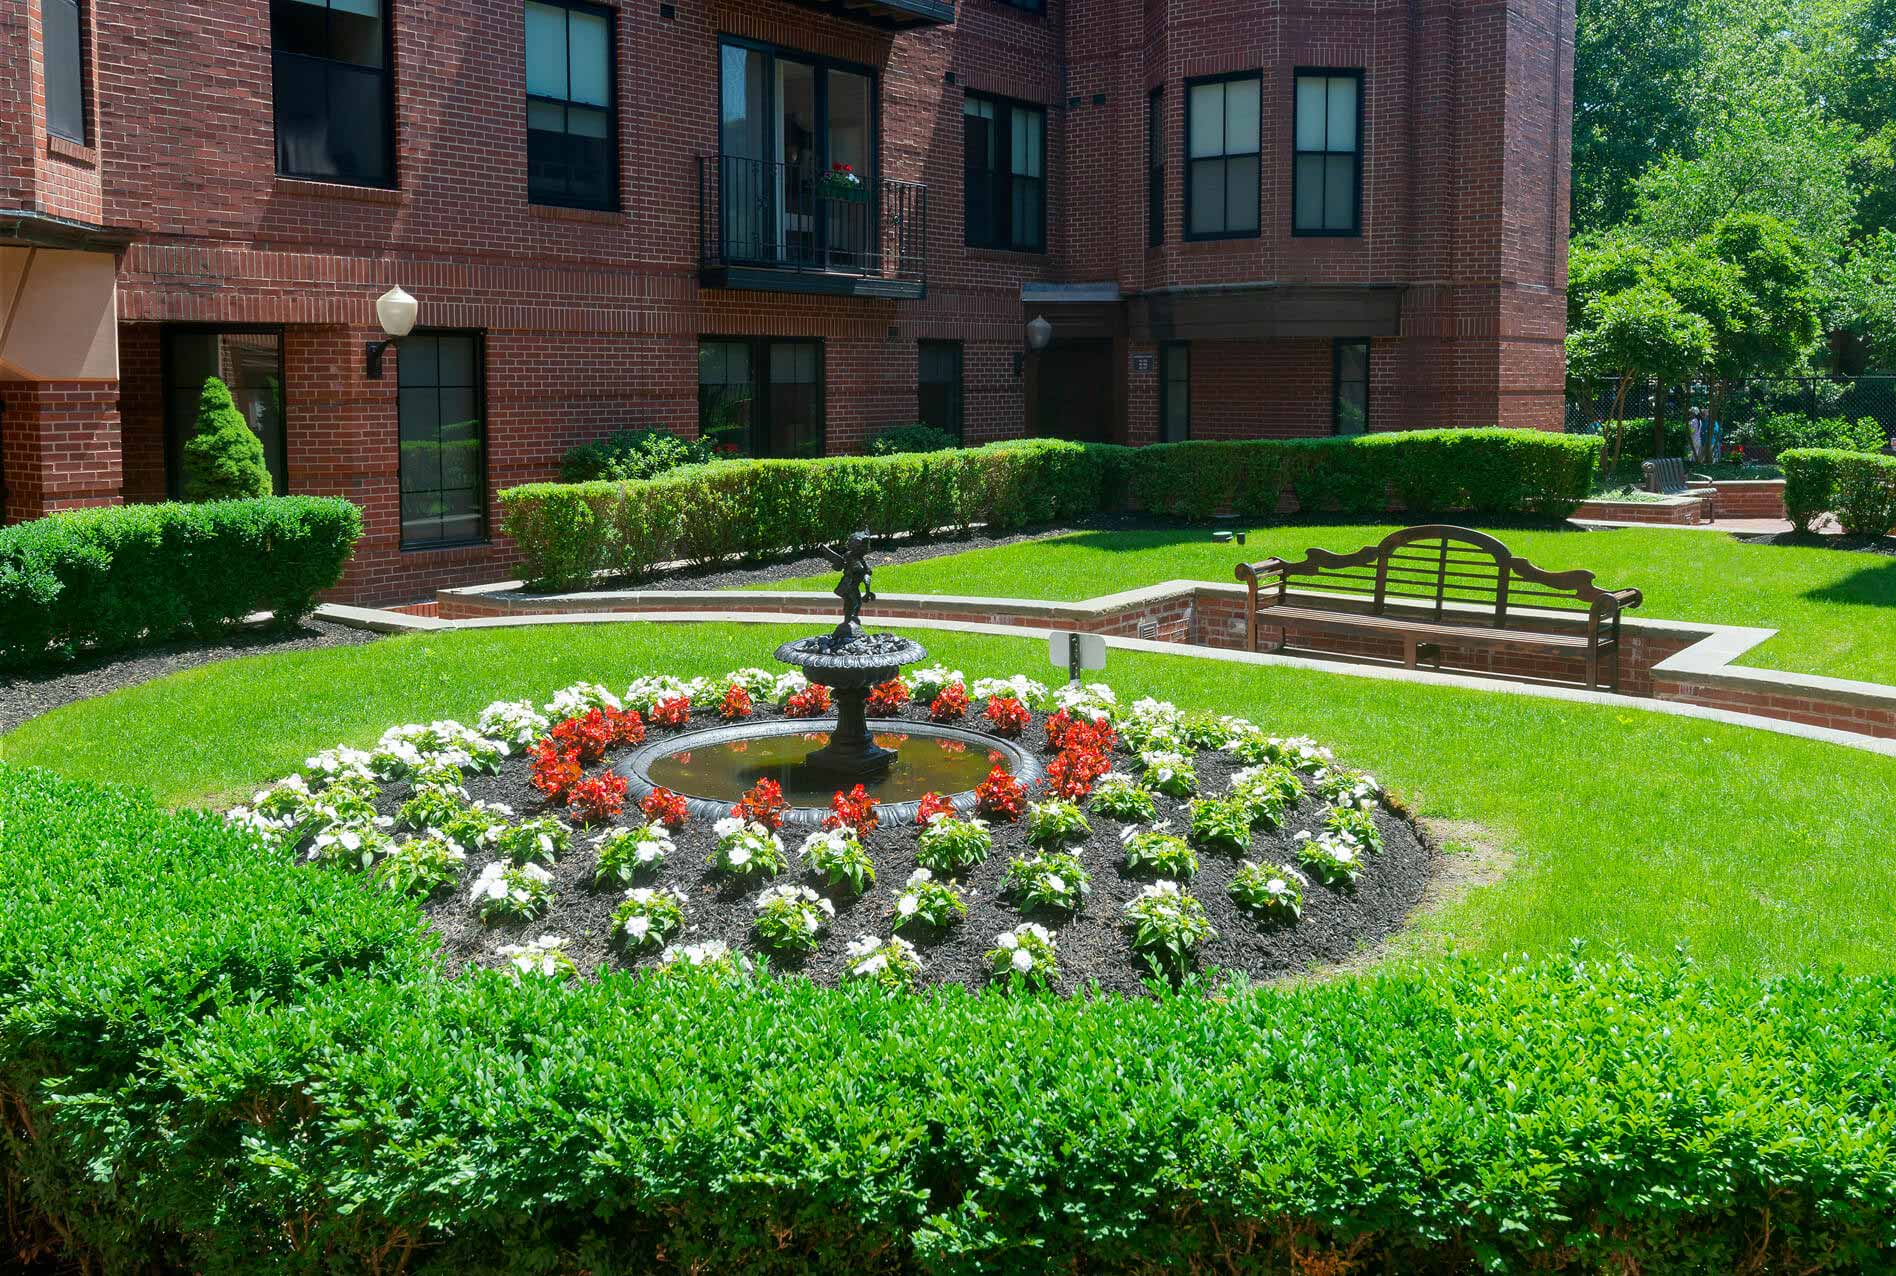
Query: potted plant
point(841, 183)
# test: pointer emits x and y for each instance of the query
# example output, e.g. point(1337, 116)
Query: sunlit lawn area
point(1836, 611)
point(1631, 829)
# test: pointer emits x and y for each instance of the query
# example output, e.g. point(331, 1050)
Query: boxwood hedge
point(568, 532)
point(214, 1060)
point(1858, 487)
point(114, 577)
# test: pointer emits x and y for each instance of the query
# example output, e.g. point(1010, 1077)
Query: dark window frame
point(761, 422)
point(958, 386)
point(386, 70)
point(1355, 229)
point(174, 437)
point(1004, 177)
point(1171, 354)
point(614, 198)
point(482, 484)
point(1337, 347)
point(1035, 7)
point(1155, 167)
point(1185, 157)
point(77, 71)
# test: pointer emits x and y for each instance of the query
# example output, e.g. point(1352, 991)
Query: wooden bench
point(1667, 477)
point(1452, 587)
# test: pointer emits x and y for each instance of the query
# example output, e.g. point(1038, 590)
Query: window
point(1005, 187)
point(250, 362)
point(1031, 6)
point(65, 70)
point(792, 134)
point(443, 439)
point(1155, 168)
point(572, 130)
point(1349, 411)
point(1327, 182)
point(938, 389)
point(1221, 146)
point(330, 62)
point(761, 398)
point(1175, 392)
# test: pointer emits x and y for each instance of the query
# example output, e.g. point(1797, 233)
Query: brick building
point(1282, 217)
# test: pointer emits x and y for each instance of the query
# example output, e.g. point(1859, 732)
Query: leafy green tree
point(1636, 334)
point(224, 459)
point(1633, 99)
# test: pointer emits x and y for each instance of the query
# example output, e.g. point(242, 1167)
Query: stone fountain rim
point(1027, 767)
point(794, 653)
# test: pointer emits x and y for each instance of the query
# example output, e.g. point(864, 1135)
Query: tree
point(1638, 333)
point(223, 460)
point(1633, 99)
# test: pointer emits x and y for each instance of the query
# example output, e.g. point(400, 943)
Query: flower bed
point(1134, 797)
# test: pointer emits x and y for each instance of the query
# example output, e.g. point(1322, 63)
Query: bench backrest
point(1438, 565)
point(1665, 476)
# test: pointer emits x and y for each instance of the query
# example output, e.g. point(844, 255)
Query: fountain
point(713, 766)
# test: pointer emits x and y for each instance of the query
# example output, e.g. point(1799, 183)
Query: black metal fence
point(1849, 397)
point(778, 216)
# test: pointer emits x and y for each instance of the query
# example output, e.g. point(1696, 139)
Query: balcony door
point(797, 176)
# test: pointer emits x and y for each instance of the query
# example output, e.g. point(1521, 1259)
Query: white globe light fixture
point(396, 311)
point(1039, 333)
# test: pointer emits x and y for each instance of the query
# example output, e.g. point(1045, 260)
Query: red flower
point(737, 704)
point(854, 809)
point(598, 799)
point(588, 736)
point(662, 806)
point(1092, 736)
point(812, 702)
point(674, 712)
point(1008, 716)
point(999, 797)
point(951, 702)
point(555, 770)
point(1073, 773)
point(763, 804)
point(931, 805)
point(627, 726)
point(887, 699)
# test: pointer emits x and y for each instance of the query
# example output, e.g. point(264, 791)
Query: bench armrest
point(1625, 599)
point(1255, 574)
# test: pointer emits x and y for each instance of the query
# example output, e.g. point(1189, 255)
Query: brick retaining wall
point(1749, 498)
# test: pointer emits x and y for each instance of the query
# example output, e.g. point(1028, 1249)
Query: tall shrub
point(223, 459)
point(1858, 487)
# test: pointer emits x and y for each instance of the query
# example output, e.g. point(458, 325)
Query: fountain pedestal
point(850, 664)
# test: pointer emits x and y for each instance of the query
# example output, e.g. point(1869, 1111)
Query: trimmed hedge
point(214, 1060)
point(118, 576)
point(567, 532)
point(1859, 487)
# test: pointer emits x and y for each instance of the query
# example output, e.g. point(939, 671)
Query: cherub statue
point(854, 588)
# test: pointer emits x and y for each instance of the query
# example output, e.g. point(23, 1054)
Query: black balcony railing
point(788, 228)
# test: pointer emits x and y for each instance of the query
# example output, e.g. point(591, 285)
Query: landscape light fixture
point(1039, 337)
point(396, 311)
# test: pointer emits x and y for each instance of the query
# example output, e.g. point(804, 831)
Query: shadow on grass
point(1872, 585)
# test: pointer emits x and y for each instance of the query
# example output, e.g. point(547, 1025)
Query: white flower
point(906, 906)
point(727, 826)
point(739, 856)
point(1006, 939)
point(1022, 959)
point(637, 926)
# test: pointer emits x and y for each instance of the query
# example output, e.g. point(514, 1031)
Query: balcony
point(770, 227)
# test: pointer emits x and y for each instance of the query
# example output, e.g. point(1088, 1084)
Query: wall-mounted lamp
point(396, 311)
point(1039, 337)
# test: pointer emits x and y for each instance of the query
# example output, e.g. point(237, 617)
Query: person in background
point(1695, 425)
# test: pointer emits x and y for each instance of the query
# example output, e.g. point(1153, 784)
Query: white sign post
point(1074, 652)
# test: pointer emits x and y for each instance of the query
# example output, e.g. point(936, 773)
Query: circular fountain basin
point(714, 767)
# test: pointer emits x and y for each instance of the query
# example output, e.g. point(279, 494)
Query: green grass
point(1754, 851)
point(1835, 610)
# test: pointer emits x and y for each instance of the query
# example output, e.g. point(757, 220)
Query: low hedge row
point(567, 532)
point(1858, 487)
point(214, 1060)
point(115, 577)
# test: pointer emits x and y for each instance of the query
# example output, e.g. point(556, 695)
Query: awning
point(58, 315)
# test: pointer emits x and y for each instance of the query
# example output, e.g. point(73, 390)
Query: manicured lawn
point(1631, 830)
point(1836, 611)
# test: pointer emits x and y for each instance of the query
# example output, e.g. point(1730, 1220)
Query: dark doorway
point(1073, 394)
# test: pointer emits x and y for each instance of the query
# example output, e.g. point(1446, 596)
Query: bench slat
point(1481, 635)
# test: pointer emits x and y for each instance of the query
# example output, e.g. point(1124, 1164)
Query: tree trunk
point(1658, 419)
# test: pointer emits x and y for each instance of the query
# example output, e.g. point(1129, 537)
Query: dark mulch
point(33, 692)
point(1883, 545)
point(1336, 924)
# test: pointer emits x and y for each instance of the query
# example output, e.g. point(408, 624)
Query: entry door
point(1074, 395)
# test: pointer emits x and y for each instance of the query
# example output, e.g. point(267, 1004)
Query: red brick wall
point(40, 172)
point(59, 444)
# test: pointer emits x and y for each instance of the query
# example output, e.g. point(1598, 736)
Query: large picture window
point(572, 130)
point(1155, 168)
point(1175, 392)
point(758, 397)
point(250, 362)
point(443, 439)
point(1221, 149)
point(1005, 179)
point(938, 388)
point(1349, 413)
point(330, 62)
point(65, 70)
point(1327, 182)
